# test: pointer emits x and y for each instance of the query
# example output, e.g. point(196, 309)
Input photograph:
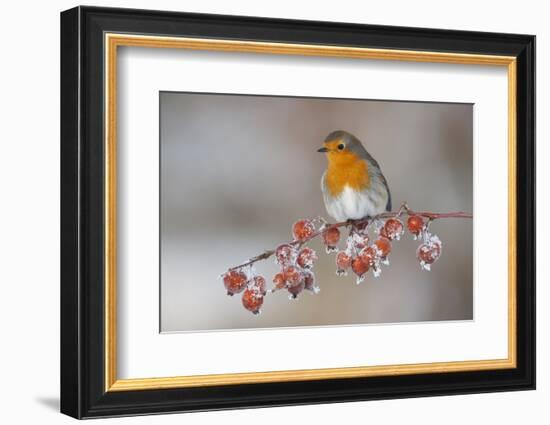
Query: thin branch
point(263, 256)
point(403, 210)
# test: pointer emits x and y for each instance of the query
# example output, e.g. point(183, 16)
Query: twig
point(263, 256)
point(403, 210)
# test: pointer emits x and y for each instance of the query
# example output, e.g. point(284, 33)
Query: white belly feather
point(350, 204)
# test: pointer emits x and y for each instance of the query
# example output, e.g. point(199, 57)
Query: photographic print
point(261, 212)
point(299, 212)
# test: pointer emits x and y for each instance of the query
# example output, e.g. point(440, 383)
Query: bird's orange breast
point(346, 169)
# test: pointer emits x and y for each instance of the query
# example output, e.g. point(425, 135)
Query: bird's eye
point(341, 147)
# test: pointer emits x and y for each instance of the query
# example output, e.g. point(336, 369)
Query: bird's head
point(342, 148)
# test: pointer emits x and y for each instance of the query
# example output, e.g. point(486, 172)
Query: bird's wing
point(370, 160)
point(388, 204)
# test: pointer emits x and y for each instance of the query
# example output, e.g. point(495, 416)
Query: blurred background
point(237, 171)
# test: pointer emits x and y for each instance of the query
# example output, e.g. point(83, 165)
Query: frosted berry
point(415, 223)
point(306, 258)
point(302, 230)
point(234, 281)
point(370, 255)
point(279, 281)
point(393, 229)
point(285, 254)
point(295, 290)
point(258, 284)
point(252, 300)
point(359, 266)
point(331, 237)
point(309, 282)
point(384, 245)
point(343, 262)
point(429, 252)
point(293, 276)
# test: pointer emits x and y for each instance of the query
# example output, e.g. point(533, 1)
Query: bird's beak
point(323, 149)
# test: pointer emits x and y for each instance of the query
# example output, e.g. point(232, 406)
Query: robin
point(353, 185)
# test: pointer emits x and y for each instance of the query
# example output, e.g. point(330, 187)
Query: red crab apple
point(309, 282)
point(306, 258)
point(252, 300)
point(359, 267)
point(258, 284)
point(293, 277)
point(415, 223)
point(285, 254)
point(331, 237)
point(279, 281)
point(302, 230)
point(234, 281)
point(296, 289)
point(384, 245)
point(429, 252)
point(343, 262)
point(393, 229)
point(370, 255)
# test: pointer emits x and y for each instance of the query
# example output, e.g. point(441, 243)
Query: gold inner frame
point(113, 41)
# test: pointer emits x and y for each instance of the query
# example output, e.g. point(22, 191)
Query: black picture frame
point(83, 392)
